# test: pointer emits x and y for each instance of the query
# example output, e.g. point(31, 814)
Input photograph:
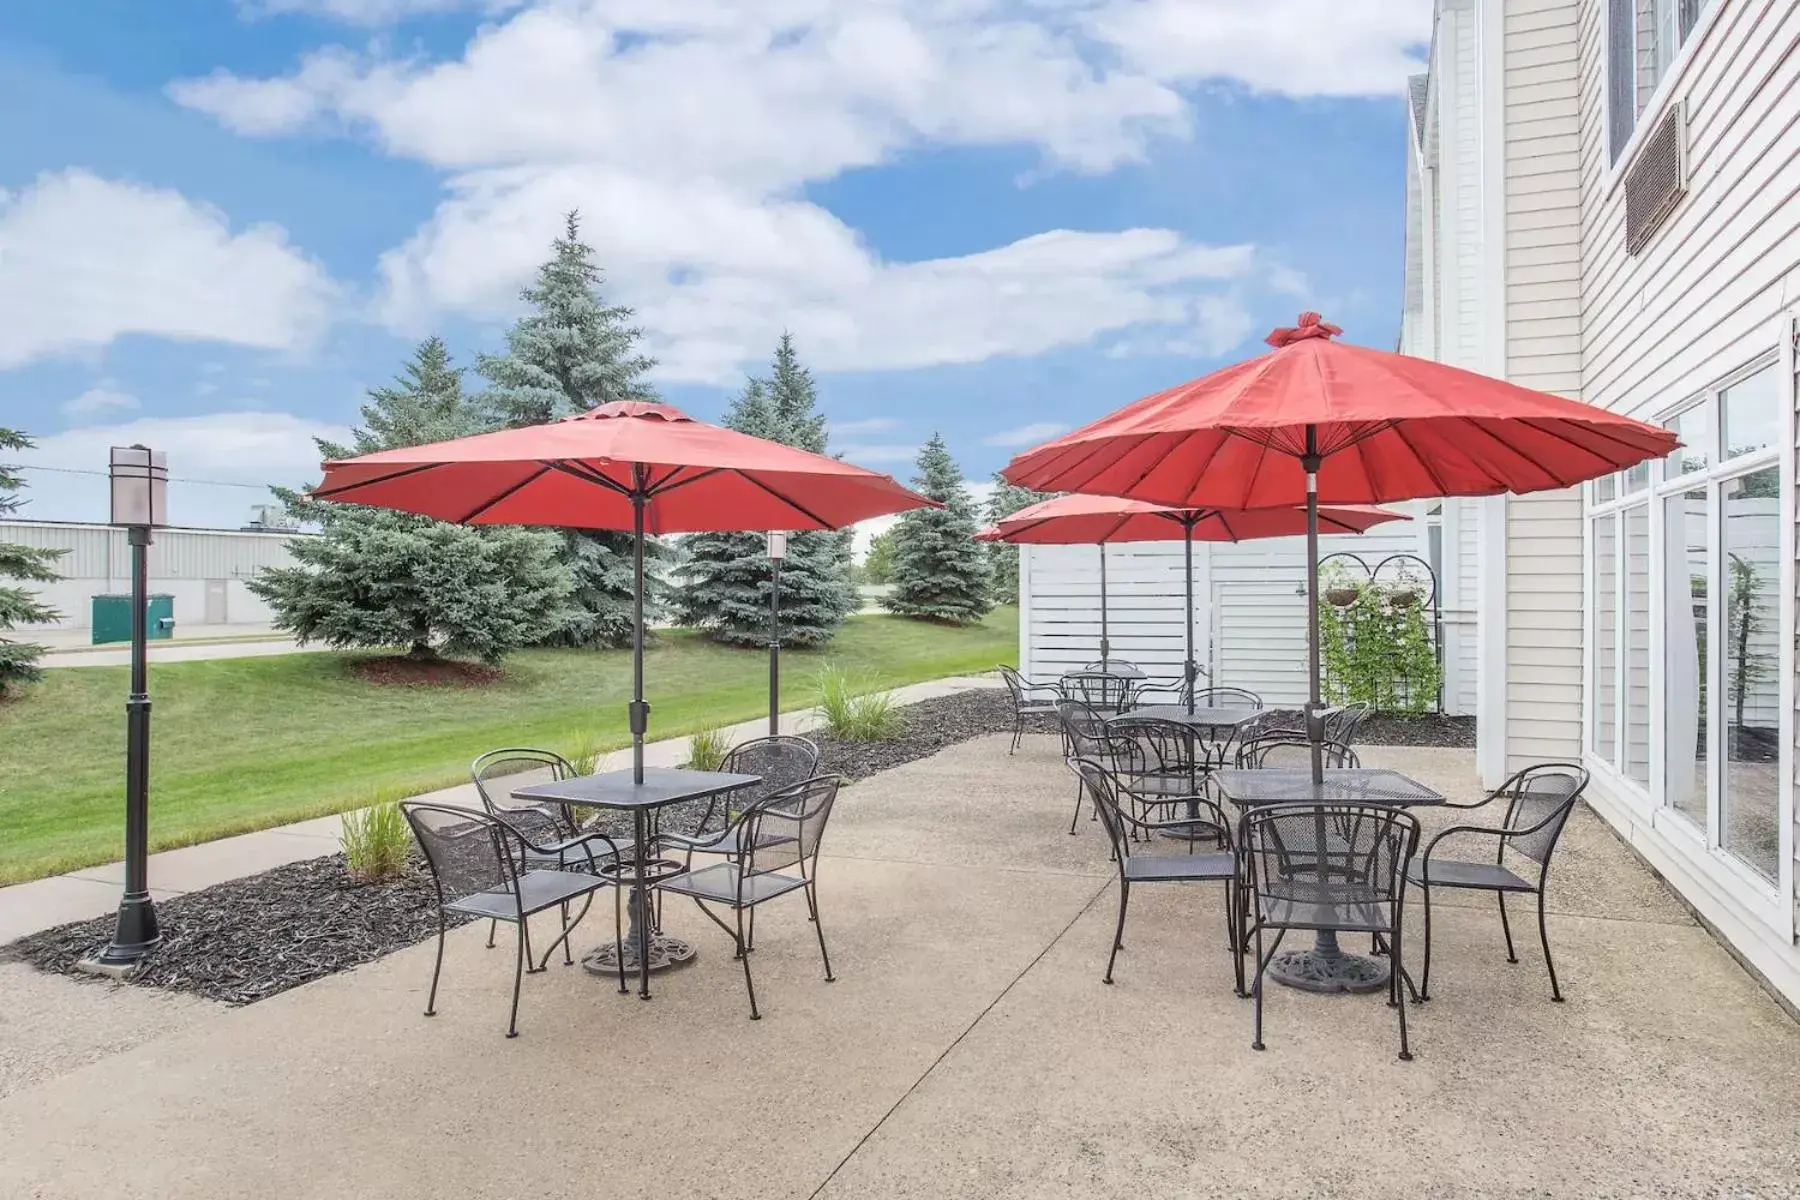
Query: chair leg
point(492, 927)
point(1077, 817)
point(1018, 732)
point(1119, 933)
point(812, 904)
point(619, 936)
point(750, 942)
point(512, 1024)
point(1232, 932)
point(437, 968)
point(525, 928)
point(1399, 992)
point(1506, 928)
point(1425, 969)
point(568, 957)
point(744, 957)
point(1544, 937)
point(1256, 989)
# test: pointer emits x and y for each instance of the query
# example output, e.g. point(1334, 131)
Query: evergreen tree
point(376, 578)
point(569, 353)
point(727, 575)
point(940, 570)
point(1003, 557)
point(18, 660)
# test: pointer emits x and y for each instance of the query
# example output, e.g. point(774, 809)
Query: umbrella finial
point(1311, 326)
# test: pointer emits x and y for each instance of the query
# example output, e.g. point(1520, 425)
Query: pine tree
point(940, 570)
point(18, 660)
point(1003, 557)
point(376, 578)
point(727, 575)
point(572, 352)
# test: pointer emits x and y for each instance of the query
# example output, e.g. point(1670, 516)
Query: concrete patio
point(968, 1048)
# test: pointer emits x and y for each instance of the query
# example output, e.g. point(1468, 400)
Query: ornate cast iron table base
point(1325, 968)
point(665, 952)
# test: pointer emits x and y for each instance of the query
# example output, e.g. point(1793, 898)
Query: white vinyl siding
point(1542, 331)
point(1144, 607)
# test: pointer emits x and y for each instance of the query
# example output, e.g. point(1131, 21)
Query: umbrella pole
point(1315, 724)
point(639, 713)
point(1192, 669)
point(774, 646)
point(1105, 644)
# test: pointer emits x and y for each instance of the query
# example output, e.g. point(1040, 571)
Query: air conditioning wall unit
point(1656, 180)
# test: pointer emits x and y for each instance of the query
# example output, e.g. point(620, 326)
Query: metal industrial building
point(205, 570)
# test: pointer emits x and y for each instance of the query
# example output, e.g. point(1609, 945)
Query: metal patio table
point(616, 790)
point(1325, 967)
point(1208, 717)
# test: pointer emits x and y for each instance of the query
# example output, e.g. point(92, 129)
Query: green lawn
point(242, 744)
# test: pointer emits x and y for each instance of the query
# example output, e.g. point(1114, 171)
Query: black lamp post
point(140, 481)
point(777, 552)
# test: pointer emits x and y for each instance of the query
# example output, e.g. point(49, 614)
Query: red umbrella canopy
point(1092, 520)
point(586, 472)
point(1385, 426)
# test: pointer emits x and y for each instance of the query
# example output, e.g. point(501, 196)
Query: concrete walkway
point(90, 892)
point(968, 1048)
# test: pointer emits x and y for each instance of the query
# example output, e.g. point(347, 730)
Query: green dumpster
point(112, 617)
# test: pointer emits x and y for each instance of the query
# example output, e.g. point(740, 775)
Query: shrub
point(377, 842)
point(855, 709)
point(707, 750)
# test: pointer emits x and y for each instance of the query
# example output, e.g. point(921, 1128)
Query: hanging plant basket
point(1342, 597)
point(1403, 598)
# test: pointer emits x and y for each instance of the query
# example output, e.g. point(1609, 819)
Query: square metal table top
point(615, 789)
point(1348, 785)
point(1203, 714)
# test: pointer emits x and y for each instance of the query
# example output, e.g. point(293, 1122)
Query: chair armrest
point(1210, 814)
point(584, 843)
point(682, 841)
point(1482, 830)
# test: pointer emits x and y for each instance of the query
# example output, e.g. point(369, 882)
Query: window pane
point(1694, 428)
point(1606, 645)
point(1752, 413)
point(1637, 644)
point(1752, 541)
point(1621, 73)
point(1636, 478)
point(1605, 488)
point(1684, 654)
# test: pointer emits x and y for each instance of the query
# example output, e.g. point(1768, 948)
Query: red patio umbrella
point(1096, 520)
point(626, 465)
point(1318, 421)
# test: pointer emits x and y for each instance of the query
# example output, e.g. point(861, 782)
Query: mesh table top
point(1203, 714)
point(615, 789)
point(1294, 785)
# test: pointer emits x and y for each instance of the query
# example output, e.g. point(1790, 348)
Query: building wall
point(184, 563)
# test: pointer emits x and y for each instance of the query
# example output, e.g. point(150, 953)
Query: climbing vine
point(1377, 647)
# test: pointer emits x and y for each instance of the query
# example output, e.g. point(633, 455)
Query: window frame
point(1668, 86)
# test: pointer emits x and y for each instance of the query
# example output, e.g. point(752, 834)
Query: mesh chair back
point(1227, 697)
point(1323, 863)
point(1102, 791)
point(1162, 747)
point(1084, 727)
point(1109, 666)
point(1343, 724)
point(1097, 689)
point(782, 761)
point(785, 829)
point(466, 850)
point(519, 768)
point(1288, 750)
point(1542, 797)
point(1015, 685)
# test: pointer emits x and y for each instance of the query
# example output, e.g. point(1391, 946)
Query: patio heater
point(778, 540)
point(140, 481)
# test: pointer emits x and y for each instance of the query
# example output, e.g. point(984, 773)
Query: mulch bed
point(247, 939)
point(400, 671)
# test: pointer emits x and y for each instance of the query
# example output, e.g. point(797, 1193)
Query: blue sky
point(221, 221)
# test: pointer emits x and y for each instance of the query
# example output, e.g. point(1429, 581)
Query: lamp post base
point(134, 941)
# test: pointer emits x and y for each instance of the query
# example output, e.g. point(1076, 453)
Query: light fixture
point(777, 544)
point(140, 486)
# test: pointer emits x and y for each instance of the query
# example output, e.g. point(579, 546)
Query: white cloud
point(1288, 47)
point(860, 428)
point(104, 396)
point(84, 260)
point(687, 130)
point(220, 464)
point(1026, 435)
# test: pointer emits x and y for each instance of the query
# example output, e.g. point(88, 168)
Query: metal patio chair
point(1538, 801)
point(1291, 749)
point(1026, 703)
point(1342, 724)
point(1154, 760)
point(474, 862)
point(1328, 866)
point(1215, 865)
point(778, 839)
point(1109, 694)
point(1084, 736)
point(553, 836)
point(782, 761)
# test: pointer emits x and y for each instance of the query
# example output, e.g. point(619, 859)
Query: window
point(1643, 38)
point(1717, 537)
point(1606, 637)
